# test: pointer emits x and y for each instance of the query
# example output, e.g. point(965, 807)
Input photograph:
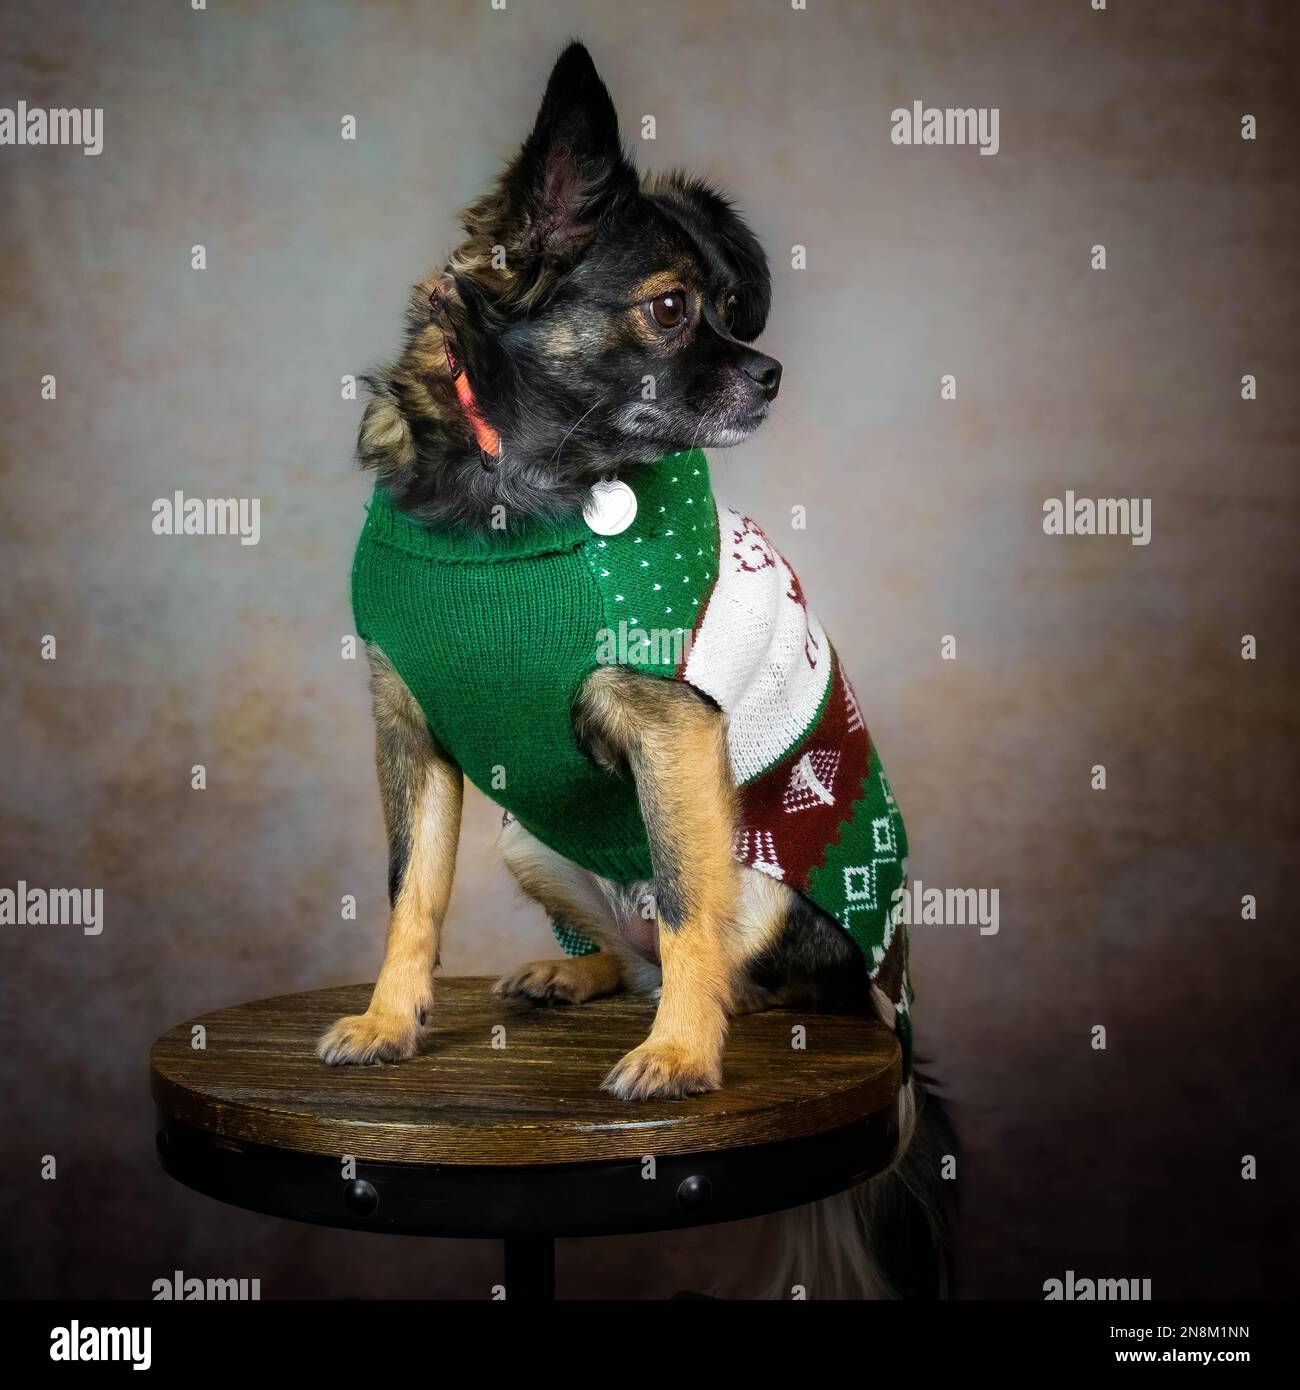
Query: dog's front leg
point(675, 745)
point(421, 790)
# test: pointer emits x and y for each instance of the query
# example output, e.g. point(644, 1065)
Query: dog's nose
point(766, 371)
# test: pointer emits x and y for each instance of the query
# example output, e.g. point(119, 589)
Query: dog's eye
point(729, 309)
point(669, 309)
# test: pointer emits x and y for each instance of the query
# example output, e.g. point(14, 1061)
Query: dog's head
point(598, 320)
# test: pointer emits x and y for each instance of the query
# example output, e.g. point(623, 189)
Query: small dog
point(555, 606)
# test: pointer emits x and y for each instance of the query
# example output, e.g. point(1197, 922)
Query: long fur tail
point(889, 1238)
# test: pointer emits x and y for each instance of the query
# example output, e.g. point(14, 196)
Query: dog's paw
point(361, 1039)
point(664, 1071)
point(570, 981)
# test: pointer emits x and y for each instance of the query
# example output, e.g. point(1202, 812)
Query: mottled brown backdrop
point(1119, 907)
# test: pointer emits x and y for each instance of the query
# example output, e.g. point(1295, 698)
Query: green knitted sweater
point(495, 634)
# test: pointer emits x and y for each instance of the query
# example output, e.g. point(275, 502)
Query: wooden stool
point(498, 1127)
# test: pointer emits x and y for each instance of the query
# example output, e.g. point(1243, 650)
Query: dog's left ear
point(726, 241)
point(571, 170)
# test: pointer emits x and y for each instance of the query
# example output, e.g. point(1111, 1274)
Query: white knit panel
point(757, 651)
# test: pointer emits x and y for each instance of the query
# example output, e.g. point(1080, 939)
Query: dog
point(555, 606)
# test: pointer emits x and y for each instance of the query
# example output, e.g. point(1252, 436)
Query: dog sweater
point(495, 633)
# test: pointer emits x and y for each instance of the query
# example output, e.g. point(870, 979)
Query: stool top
point(504, 1083)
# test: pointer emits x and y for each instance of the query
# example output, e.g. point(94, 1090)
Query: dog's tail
point(891, 1237)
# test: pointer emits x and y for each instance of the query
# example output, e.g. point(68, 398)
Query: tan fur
point(418, 386)
point(563, 340)
point(676, 748)
point(602, 910)
point(636, 321)
point(495, 220)
point(765, 904)
point(561, 887)
point(593, 905)
point(661, 181)
point(385, 436)
point(679, 277)
point(421, 791)
point(573, 980)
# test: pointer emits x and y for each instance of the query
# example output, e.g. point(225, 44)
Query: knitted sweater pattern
point(495, 635)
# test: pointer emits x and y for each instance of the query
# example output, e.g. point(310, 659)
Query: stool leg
point(530, 1269)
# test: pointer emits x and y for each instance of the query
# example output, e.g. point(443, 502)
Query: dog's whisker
point(574, 426)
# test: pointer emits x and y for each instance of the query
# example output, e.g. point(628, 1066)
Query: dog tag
point(611, 508)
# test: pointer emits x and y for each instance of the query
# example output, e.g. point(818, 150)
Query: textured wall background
point(1119, 907)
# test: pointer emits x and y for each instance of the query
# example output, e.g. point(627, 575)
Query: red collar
point(488, 440)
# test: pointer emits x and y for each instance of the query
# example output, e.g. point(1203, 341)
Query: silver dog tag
point(611, 508)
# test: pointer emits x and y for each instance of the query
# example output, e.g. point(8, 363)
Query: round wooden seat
point(499, 1127)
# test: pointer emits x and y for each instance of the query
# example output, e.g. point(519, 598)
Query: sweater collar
point(533, 537)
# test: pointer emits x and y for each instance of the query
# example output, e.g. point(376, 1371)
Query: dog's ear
point(546, 207)
point(572, 169)
point(726, 242)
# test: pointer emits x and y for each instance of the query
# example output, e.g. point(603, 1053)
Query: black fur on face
point(601, 322)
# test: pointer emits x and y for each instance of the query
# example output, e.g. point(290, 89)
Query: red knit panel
point(784, 814)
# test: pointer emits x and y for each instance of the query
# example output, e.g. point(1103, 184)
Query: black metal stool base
point(528, 1204)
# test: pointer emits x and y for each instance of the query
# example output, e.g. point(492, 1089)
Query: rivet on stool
point(694, 1193)
point(361, 1197)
